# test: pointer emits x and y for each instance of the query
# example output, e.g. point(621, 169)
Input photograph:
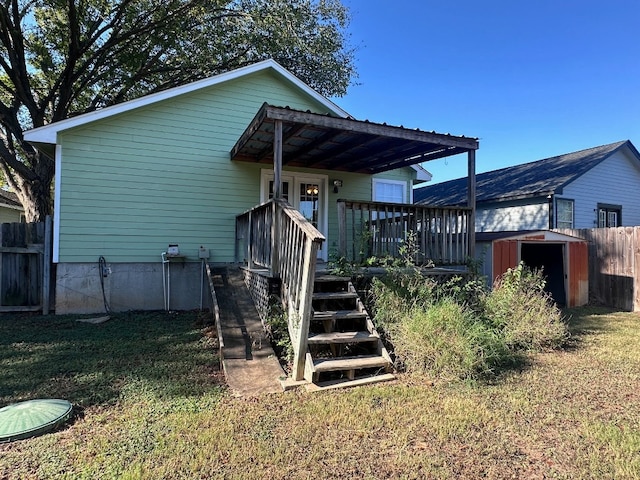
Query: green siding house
point(135, 178)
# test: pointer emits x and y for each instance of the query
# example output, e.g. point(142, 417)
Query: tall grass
point(447, 341)
point(524, 313)
point(459, 329)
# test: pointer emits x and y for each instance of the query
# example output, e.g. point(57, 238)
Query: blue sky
point(530, 79)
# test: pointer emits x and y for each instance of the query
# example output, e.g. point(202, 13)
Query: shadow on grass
point(156, 354)
point(585, 322)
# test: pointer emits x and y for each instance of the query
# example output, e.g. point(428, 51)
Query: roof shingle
point(534, 179)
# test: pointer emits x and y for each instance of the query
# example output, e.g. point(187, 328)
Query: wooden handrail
point(279, 238)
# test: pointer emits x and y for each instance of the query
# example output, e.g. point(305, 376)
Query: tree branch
point(13, 39)
point(10, 160)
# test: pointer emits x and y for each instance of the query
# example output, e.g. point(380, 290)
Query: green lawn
point(150, 405)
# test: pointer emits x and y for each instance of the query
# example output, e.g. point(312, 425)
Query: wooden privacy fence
point(614, 265)
point(25, 266)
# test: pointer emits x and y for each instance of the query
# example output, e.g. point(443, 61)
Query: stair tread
point(349, 363)
point(331, 314)
point(332, 278)
point(342, 337)
point(334, 295)
point(333, 384)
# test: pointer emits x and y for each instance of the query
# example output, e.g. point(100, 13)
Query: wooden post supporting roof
point(471, 200)
point(277, 194)
point(277, 159)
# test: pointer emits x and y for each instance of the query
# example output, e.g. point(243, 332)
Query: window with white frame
point(609, 215)
point(390, 191)
point(564, 213)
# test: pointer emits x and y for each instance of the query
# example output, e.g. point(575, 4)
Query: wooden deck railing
point(275, 236)
point(253, 236)
point(367, 229)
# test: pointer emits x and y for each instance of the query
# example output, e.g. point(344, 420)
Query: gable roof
point(48, 133)
point(535, 179)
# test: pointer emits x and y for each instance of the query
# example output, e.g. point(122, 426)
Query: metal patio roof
point(344, 144)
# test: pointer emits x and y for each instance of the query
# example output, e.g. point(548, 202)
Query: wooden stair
point(344, 348)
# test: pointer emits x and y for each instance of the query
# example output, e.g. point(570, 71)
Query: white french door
point(307, 193)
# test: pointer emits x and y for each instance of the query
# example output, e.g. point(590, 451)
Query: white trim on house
point(423, 174)
point(48, 133)
point(56, 204)
point(375, 181)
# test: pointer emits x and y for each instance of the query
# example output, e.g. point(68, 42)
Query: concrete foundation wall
point(129, 286)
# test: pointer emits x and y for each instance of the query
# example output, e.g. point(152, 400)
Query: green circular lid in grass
point(31, 418)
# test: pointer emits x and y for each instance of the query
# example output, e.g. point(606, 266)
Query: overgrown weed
point(525, 314)
point(457, 328)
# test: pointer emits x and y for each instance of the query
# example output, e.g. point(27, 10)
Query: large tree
point(66, 57)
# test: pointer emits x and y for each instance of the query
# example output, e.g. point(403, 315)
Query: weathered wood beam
point(253, 127)
point(35, 249)
point(349, 125)
point(321, 140)
point(265, 152)
point(389, 156)
point(277, 194)
point(425, 157)
point(342, 149)
point(277, 160)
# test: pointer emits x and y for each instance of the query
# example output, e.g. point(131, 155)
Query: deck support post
point(471, 200)
point(342, 229)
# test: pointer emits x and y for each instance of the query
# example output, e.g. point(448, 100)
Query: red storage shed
point(562, 258)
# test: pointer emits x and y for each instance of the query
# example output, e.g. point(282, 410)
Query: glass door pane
point(285, 189)
point(308, 201)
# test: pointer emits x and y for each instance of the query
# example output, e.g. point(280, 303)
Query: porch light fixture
point(336, 184)
point(312, 190)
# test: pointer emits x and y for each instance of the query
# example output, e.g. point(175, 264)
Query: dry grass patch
point(569, 414)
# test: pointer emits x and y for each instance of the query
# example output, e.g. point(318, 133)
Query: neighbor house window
point(609, 215)
point(564, 213)
point(390, 191)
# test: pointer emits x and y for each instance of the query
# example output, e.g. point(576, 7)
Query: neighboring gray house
point(11, 210)
point(597, 187)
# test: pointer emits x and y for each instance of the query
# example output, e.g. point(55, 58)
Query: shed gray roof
point(535, 179)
